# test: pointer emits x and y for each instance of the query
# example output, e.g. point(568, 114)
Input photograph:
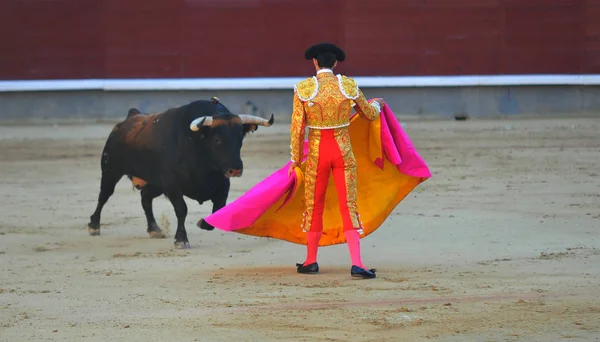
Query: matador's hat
point(315, 50)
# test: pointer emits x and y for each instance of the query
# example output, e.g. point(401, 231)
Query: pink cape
point(274, 206)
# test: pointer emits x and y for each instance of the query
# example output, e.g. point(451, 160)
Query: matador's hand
point(292, 167)
point(380, 101)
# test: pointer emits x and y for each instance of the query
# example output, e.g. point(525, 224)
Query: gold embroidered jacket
point(325, 101)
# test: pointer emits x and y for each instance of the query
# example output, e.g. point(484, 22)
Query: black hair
point(326, 59)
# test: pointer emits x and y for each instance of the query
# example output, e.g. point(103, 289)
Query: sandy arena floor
point(502, 244)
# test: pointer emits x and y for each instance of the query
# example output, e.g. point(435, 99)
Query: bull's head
point(223, 136)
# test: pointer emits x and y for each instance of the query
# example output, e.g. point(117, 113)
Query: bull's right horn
point(201, 121)
point(256, 120)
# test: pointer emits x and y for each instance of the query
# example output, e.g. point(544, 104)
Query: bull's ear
point(250, 128)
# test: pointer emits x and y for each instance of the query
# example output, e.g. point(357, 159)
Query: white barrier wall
point(421, 96)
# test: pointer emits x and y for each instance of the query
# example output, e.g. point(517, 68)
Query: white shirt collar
point(324, 70)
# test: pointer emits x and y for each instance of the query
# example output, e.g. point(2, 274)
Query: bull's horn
point(251, 119)
point(201, 121)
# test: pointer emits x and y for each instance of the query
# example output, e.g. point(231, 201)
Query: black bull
point(191, 151)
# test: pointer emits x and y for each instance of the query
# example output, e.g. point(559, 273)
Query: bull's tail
point(132, 112)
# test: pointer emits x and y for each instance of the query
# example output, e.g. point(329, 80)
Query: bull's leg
point(219, 200)
point(148, 194)
point(107, 188)
point(176, 198)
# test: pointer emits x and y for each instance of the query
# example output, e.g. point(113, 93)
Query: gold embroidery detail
point(307, 89)
point(348, 87)
point(297, 130)
point(342, 138)
point(310, 176)
point(330, 108)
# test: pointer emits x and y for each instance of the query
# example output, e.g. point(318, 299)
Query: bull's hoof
point(156, 234)
point(182, 245)
point(204, 225)
point(94, 229)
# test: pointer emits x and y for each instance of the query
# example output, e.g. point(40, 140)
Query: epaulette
point(348, 87)
point(307, 89)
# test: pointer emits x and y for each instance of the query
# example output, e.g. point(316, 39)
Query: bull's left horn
point(251, 119)
point(201, 121)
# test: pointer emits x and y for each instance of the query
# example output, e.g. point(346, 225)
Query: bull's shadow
point(190, 151)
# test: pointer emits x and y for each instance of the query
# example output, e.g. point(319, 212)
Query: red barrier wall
point(55, 39)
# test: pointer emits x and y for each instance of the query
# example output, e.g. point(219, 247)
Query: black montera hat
point(315, 50)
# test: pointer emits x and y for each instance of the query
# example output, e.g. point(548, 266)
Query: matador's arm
point(297, 130)
point(369, 111)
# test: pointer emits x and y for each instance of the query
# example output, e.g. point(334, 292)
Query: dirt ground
point(502, 244)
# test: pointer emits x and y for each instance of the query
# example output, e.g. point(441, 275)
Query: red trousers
point(330, 152)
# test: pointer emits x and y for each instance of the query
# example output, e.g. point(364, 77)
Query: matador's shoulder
point(307, 89)
point(348, 86)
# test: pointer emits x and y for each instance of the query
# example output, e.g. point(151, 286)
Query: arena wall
point(426, 102)
point(157, 41)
